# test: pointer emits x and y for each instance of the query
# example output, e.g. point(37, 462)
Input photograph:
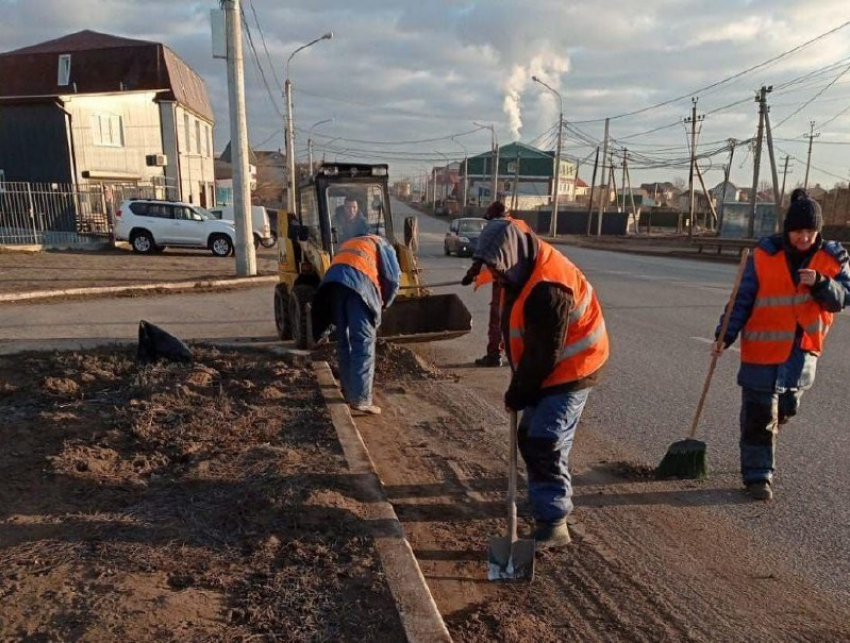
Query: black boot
point(492, 359)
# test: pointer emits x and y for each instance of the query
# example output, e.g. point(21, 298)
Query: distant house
point(95, 108)
point(524, 170)
point(662, 193)
point(582, 190)
point(729, 195)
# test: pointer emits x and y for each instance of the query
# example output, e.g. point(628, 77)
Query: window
point(187, 133)
point(198, 137)
point(107, 130)
point(64, 70)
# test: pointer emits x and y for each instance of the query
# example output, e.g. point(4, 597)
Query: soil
point(49, 270)
point(200, 502)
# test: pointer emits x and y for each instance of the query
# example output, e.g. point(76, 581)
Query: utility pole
point(693, 120)
point(556, 190)
point(784, 177)
point(495, 167)
point(289, 148)
point(603, 181)
point(623, 179)
point(761, 98)
point(811, 136)
point(777, 220)
point(592, 183)
point(246, 259)
point(726, 171)
point(627, 177)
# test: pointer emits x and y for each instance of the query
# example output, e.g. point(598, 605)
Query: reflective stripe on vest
point(585, 346)
point(781, 307)
point(361, 253)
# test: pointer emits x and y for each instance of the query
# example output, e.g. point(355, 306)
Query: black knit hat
point(803, 214)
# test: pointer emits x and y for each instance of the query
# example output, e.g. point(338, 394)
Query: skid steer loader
point(309, 238)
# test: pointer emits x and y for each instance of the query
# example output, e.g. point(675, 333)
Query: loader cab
point(343, 200)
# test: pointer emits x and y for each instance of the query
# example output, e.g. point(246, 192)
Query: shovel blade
point(510, 560)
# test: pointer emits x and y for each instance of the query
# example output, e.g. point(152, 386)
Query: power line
point(263, 39)
point(812, 99)
point(257, 63)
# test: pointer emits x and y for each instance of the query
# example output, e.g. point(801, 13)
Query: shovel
point(440, 284)
point(510, 558)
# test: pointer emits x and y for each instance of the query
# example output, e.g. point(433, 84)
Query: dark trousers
point(495, 341)
point(761, 412)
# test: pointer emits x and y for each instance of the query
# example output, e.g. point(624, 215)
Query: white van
point(259, 223)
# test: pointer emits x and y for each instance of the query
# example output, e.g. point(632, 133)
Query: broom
point(687, 458)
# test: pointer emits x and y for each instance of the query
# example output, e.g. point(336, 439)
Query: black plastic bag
point(156, 344)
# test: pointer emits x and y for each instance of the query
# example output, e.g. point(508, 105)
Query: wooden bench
point(721, 244)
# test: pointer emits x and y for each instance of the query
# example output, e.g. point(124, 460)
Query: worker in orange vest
point(362, 281)
point(557, 346)
point(495, 345)
point(791, 288)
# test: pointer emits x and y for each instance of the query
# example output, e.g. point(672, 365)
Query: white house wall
point(197, 176)
point(124, 156)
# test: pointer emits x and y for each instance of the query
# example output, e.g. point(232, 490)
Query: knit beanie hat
point(497, 210)
point(803, 214)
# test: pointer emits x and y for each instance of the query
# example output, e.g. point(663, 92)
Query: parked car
point(462, 237)
point(150, 225)
point(260, 223)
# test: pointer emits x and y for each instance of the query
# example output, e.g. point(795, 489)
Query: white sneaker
point(369, 409)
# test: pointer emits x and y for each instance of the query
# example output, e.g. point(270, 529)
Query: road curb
point(417, 610)
point(115, 290)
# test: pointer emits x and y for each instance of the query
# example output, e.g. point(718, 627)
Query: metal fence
point(64, 214)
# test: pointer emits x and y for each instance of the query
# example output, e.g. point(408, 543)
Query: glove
point(467, 279)
point(513, 400)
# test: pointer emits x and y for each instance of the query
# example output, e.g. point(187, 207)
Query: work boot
point(491, 359)
point(369, 409)
point(760, 490)
point(551, 535)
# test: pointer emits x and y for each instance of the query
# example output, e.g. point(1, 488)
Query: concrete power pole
point(246, 259)
point(773, 173)
point(556, 189)
point(603, 182)
point(811, 136)
point(590, 199)
point(726, 171)
point(761, 99)
point(784, 177)
point(693, 120)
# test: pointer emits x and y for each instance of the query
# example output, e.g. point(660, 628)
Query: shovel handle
point(440, 284)
point(512, 533)
point(727, 315)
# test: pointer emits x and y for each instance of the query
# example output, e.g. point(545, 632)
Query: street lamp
point(494, 142)
point(465, 169)
point(556, 197)
point(310, 140)
point(290, 129)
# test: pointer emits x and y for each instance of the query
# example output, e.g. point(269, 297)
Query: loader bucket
point(425, 319)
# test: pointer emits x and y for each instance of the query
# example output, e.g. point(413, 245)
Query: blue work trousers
point(545, 438)
point(356, 335)
point(760, 415)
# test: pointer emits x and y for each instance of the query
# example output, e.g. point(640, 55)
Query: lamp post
point(445, 184)
point(556, 197)
point(310, 140)
point(465, 169)
point(290, 129)
point(494, 142)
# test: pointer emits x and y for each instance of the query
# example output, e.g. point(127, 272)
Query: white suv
point(150, 225)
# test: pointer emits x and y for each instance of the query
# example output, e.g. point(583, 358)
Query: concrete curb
point(113, 290)
point(417, 610)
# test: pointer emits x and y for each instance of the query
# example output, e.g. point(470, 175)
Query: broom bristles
point(685, 459)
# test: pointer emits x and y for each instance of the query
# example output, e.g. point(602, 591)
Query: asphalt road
point(661, 313)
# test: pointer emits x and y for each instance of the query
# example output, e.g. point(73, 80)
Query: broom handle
point(512, 532)
point(727, 315)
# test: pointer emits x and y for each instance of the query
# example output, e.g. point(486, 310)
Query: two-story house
point(98, 109)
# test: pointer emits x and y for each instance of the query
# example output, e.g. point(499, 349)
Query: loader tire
point(299, 298)
point(281, 312)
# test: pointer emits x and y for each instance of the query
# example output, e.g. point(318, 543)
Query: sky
point(411, 83)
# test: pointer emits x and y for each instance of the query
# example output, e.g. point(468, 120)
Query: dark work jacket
point(547, 310)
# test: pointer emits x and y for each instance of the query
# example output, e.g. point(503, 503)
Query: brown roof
point(101, 63)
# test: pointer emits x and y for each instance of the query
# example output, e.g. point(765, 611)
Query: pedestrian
point(363, 279)
point(556, 345)
point(791, 288)
point(495, 344)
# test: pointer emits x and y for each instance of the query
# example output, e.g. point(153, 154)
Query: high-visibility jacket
point(485, 276)
point(585, 346)
point(781, 306)
point(361, 253)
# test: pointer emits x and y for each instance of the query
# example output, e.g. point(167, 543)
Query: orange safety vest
point(780, 307)
point(585, 347)
point(361, 253)
point(485, 276)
